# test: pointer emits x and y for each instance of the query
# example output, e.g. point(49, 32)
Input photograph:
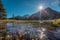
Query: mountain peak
point(48, 8)
point(47, 13)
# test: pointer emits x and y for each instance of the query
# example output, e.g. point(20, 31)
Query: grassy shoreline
point(56, 21)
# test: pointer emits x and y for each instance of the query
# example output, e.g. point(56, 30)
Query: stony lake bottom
point(30, 31)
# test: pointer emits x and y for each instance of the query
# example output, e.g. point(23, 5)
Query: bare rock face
point(45, 14)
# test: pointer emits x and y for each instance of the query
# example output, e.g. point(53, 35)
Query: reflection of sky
point(21, 27)
point(30, 29)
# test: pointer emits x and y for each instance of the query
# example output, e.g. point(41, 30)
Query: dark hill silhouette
point(46, 14)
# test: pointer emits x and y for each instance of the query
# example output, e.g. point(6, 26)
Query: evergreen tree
point(13, 17)
point(3, 14)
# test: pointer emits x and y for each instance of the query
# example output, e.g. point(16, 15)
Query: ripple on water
point(30, 29)
point(23, 27)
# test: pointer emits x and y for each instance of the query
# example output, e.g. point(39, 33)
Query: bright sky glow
point(23, 7)
point(41, 8)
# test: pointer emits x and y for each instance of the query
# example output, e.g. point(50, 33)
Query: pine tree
point(3, 14)
point(13, 17)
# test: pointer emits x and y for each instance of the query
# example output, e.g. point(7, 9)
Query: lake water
point(27, 28)
point(33, 30)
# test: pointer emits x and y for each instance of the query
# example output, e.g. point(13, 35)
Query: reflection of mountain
point(47, 13)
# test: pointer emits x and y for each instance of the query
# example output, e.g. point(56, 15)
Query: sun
point(40, 7)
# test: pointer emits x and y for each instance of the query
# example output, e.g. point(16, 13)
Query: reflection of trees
point(2, 30)
point(30, 33)
point(2, 26)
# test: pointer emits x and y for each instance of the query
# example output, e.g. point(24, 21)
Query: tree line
point(18, 17)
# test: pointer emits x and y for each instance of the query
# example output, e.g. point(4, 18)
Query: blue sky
point(23, 7)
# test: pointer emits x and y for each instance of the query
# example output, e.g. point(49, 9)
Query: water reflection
point(26, 28)
point(29, 31)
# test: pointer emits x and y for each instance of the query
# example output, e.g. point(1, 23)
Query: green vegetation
point(3, 14)
point(53, 21)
